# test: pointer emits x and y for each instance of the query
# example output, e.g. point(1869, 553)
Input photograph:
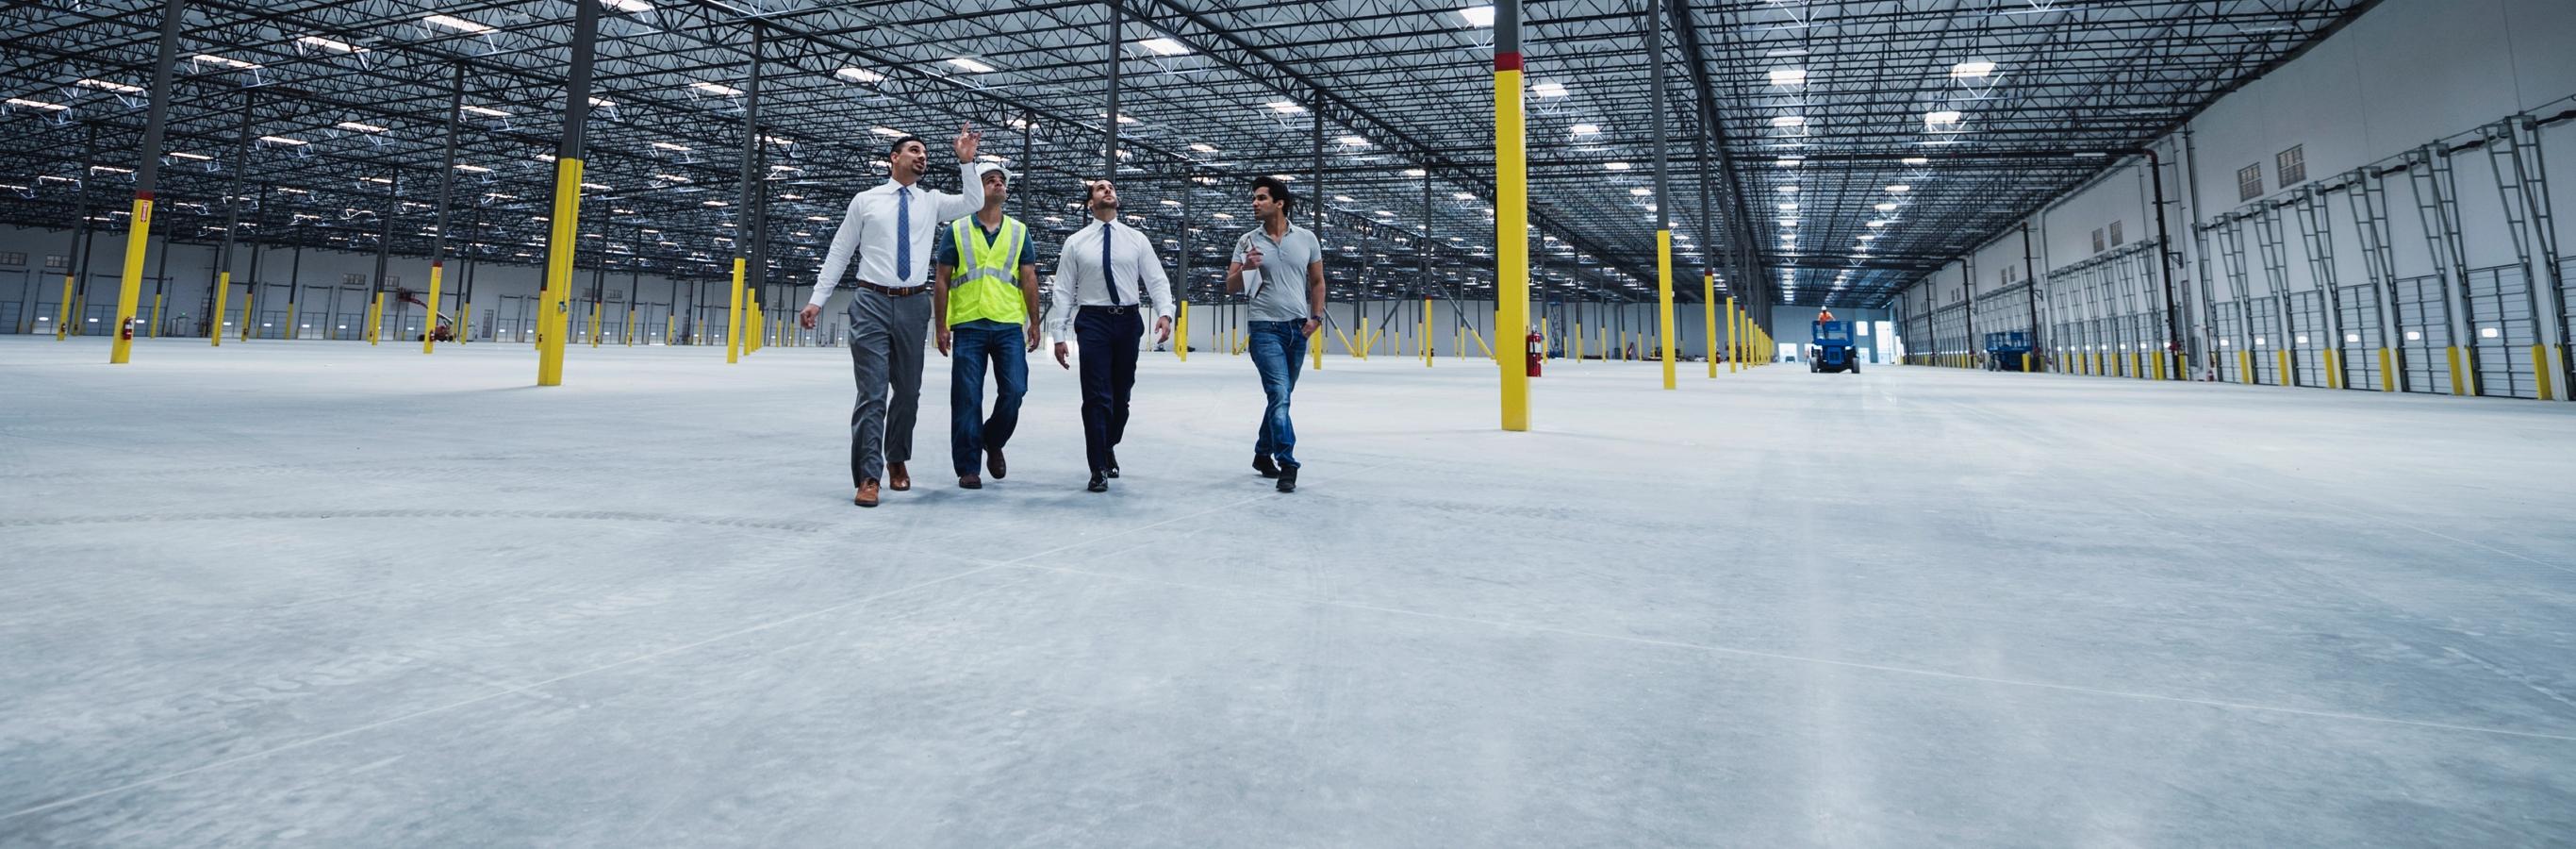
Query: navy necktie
point(1108, 277)
point(903, 237)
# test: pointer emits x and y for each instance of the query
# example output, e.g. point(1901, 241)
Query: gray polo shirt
point(1278, 287)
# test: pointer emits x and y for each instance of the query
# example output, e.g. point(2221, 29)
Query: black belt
point(1109, 310)
point(890, 291)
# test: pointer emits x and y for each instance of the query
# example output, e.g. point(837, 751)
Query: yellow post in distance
point(554, 317)
point(1664, 302)
point(464, 322)
point(733, 317)
point(375, 319)
point(2387, 372)
point(428, 334)
point(1181, 336)
point(2540, 370)
point(129, 288)
point(290, 321)
point(247, 299)
point(1734, 343)
point(1708, 306)
point(63, 311)
point(155, 330)
point(215, 322)
point(1425, 342)
point(2459, 385)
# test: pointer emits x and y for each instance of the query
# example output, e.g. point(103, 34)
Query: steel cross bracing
point(1403, 87)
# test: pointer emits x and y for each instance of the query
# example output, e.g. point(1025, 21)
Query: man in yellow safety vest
point(985, 295)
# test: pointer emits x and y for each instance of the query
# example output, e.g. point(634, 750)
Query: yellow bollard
point(2459, 384)
point(2334, 376)
point(290, 321)
point(155, 329)
point(247, 298)
point(1315, 351)
point(1708, 306)
point(1424, 342)
point(2245, 365)
point(1734, 341)
point(2387, 371)
point(2540, 370)
point(375, 319)
point(671, 325)
point(1181, 340)
point(594, 324)
point(734, 318)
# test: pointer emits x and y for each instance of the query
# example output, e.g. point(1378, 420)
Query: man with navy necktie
point(891, 228)
point(1103, 270)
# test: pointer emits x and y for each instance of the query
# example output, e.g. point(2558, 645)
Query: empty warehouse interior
point(1760, 423)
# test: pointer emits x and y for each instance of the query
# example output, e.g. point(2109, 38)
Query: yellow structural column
point(1315, 351)
point(464, 322)
point(154, 331)
point(247, 299)
point(2459, 382)
point(290, 320)
point(2387, 371)
point(1734, 340)
point(1362, 350)
point(1181, 337)
point(1425, 341)
point(594, 324)
point(1664, 304)
point(2289, 377)
point(129, 288)
point(733, 316)
point(1511, 212)
point(214, 323)
point(554, 316)
point(1708, 306)
point(429, 330)
point(630, 325)
point(375, 317)
point(2245, 365)
point(63, 311)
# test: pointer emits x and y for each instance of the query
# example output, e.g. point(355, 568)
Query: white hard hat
point(991, 167)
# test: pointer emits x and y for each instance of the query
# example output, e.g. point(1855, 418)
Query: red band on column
point(142, 195)
point(1507, 61)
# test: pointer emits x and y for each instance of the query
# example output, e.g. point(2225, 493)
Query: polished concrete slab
point(323, 594)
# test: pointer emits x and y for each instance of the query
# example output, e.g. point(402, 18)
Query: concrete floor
point(320, 594)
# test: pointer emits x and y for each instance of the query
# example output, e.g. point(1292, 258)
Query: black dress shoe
point(1098, 483)
point(1267, 467)
point(1113, 464)
point(1288, 479)
point(993, 463)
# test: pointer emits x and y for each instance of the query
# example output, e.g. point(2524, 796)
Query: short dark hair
point(1278, 191)
point(1091, 189)
point(897, 147)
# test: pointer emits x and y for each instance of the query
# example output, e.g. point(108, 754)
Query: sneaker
point(1288, 479)
point(1098, 483)
point(1267, 467)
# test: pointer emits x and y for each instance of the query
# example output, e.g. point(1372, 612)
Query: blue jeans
point(1279, 352)
point(969, 433)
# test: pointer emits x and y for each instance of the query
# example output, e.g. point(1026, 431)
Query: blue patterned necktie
point(903, 236)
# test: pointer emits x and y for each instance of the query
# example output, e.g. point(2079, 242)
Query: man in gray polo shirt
point(1282, 266)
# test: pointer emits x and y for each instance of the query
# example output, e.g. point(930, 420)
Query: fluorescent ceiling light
point(119, 88)
point(1978, 69)
point(672, 178)
point(712, 88)
point(859, 75)
point(1641, 191)
point(595, 187)
point(1789, 121)
point(195, 156)
point(1788, 207)
point(1416, 172)
point(1164, 46)
point(971, 66)
point(1618, 166)
point(1899, 189)
point(1587, 129)
point(1887, 207)
point(331, 44)
point(1353, 141)
point(1876, 224)
point(1915, 160)
point(457, 23)
point(1478, 16)
point(381, 181)
point(273, 139)
point(670, 146)
point(1788, 76)
point(1788, 190)
point(472, 169)
point(226, 62)
point(1286, 107)
point(1941, 118)
point(888, 132)
point(1789, 161)
point(1549, 90)
point(485, 110)
point(632, 7)
point(1202, 147)
point(363, 128)
point(36, 104)
point(712, 203)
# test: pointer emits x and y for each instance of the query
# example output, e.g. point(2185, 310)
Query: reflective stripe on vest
point(985, 284)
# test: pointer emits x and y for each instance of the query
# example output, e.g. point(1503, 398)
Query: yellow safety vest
point(986, 283)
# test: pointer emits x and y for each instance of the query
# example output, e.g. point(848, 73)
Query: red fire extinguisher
point(1537, 352)
point(128, 330)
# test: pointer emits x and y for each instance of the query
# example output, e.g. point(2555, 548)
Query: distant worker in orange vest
point(1824, 314)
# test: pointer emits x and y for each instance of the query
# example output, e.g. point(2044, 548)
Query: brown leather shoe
point(970, 482)
point(867, 496)
point(897, 479)
point(993, 463)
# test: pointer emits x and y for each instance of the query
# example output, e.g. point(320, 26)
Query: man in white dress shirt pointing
point(1099, 275)
point(892, 229)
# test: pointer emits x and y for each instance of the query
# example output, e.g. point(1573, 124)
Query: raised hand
point(967, 141)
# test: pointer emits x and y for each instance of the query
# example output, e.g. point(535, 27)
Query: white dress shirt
point(869, 228)
point(1077, 273)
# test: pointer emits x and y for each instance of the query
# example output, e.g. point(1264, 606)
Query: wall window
point(2116, 241)
point(2292, 165)
point(353, 280)
point(2099, 245)
point(58, 261)
point(2249, 182)
point(13, 258)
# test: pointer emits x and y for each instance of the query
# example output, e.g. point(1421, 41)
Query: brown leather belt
point(892, 292)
